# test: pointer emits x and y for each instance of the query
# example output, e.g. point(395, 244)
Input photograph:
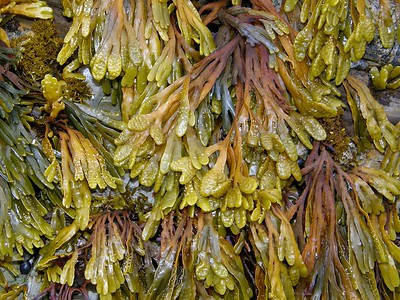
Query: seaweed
point(39, 52)
point(211, 166)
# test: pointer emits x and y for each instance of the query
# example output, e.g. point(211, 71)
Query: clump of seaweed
point(39, 51)
point(337, 32)
point(77, 90)
point(112, 238)
point(387, 77)
point(339, 226)
point(22, 224)
point(186, 180)
point(280, 266)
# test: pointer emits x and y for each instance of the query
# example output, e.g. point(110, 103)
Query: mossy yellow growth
point(76, 90)
point(39, 51)
point(337, 135)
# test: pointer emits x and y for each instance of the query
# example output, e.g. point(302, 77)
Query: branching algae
point(207, 173)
